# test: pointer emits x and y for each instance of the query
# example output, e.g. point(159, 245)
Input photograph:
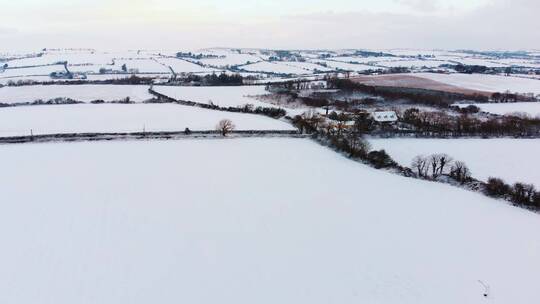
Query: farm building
point(384, 116)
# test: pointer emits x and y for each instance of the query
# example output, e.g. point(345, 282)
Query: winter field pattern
point(307, 208)
point(115, 118)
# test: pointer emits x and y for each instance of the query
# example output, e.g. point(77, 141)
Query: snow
point(34, 71)
point(417, 52)
point(5, 81)
point(229, 96)
point(488, 62)
point(89, 77)
point(92, 68)
point(31, 61)
point(490, 83)
point(230, 60)
point(348, 66)
point(381, 62)
point(274, 67)
point(370, 59)
point(72, 58)
point(143, 65)
point(531, 108)
point(413, 63)
point(384, 116)
point(520, 62)
point(183, 66)
point(83, 93)
point(510, 159)
point(248, 221)
point(92, 77)
point(308, 66)
point(102, 118)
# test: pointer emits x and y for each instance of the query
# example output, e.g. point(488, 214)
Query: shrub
point(496, 187)
point(523, 194)
point(380, 159)
point(460, 172)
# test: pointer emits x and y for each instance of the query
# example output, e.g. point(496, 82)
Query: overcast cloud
point(168, 24)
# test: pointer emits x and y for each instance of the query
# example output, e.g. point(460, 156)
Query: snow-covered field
point(248, 221)
point(92, 68)
point(274, 67)
point(412, 63)
point(490, 83)
point(90, 77)
point(531, 108)
point(360, 63)
point(488, 62)
point(422, 52)
point(230, 59)
point(252, 60)
point(144, 65)
point(99, 58)
point(83, 93)
point(104, 118)
point(348, 66)
point(373, 59)
point(15, 79)
point(183, 66)
point(229, 96)
point(308, 66)
point(513, 160)
point(34, 71)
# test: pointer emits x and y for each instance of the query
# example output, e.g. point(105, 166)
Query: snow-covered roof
point(384, 116)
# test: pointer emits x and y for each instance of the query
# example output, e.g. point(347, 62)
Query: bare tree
point(225, 126)
point(313, 119)
point(444, 160)
point(358, 144)
point(420, 164)
point(434, 163)
point(342, 121)
point(460, 171)
point(438, 163)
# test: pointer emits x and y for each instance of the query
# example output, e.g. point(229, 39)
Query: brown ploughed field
point(409, 81)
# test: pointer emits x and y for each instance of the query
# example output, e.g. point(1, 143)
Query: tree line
point(441, 167)
point(215, 80)
point(247, 108)
point(521, 194)
point(441, 123)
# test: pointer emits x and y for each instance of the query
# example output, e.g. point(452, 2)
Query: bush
point(460, 172)
point(380, 159)
point(496, 187)
point(523, 194)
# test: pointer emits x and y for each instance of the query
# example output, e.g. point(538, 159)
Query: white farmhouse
point(384, 116)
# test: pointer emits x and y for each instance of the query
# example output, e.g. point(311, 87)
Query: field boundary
point(158, 135)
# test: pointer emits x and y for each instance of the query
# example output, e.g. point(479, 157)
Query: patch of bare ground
point(414, 82)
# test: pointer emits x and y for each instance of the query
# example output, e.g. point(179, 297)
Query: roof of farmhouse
point(386, 116)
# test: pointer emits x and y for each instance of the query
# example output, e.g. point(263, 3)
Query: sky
point(279, 24)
